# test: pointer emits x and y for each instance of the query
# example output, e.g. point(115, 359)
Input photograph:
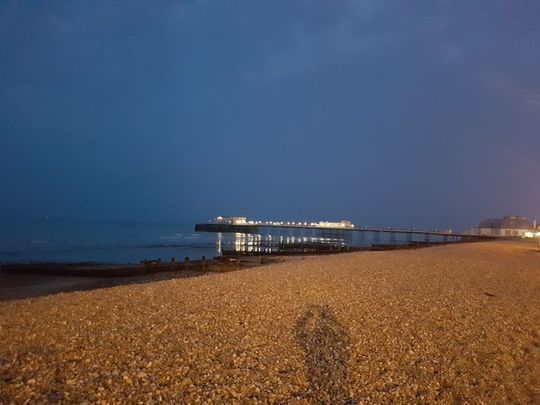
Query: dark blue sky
point(423, 113)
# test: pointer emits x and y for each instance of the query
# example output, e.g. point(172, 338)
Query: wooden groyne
point(110, 270)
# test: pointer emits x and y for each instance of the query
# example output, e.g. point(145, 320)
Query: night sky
point(391, 113)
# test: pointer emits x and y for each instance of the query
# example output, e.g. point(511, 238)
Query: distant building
point(341, 224)
point(231, 220)
point(508, 226)
point(245, 221)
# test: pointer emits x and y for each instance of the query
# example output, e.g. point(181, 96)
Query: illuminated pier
point(243, 225)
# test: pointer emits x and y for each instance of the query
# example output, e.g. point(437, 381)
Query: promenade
point(447, 324)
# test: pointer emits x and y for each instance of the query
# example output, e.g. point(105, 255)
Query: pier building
point(344, 224)
point(231, 220)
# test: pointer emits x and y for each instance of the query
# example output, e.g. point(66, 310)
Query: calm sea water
point(109, 242)
point(131, 242)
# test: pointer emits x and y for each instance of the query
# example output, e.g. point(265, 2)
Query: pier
point(242, 225)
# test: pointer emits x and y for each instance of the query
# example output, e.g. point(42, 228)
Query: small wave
point(67, 249)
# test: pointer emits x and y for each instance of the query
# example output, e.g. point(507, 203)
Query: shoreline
point(226, 262)
point(32, 280)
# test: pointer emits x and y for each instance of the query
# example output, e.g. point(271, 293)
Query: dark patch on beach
point(17, 286)
point(326, 345)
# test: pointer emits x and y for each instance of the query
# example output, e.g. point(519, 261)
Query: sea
point(64, 241)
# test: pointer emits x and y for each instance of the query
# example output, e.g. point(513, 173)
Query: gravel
point(447, 324)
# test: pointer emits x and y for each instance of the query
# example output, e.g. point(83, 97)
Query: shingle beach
point(448, 324)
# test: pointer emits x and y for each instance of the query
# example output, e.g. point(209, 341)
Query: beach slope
point(445, 324)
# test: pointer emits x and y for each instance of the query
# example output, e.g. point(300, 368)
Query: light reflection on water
point(267, 243)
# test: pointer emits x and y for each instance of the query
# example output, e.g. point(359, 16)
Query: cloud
point(308, 46)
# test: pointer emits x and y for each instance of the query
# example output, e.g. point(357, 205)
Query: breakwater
point(107, 270)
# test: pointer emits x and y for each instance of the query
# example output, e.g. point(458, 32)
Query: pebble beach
point(447, 324)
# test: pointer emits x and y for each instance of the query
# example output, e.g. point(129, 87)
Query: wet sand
point(447, 324)
point(17, 286)
point(36, 280)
